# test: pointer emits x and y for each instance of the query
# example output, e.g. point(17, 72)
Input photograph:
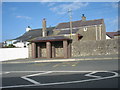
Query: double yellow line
point(66, 64)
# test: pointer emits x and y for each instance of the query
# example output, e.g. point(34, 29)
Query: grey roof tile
point(111, 34)
point(49, 38)
point(79, 23)
point(33, 34)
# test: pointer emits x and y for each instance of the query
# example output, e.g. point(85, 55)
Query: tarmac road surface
point(74, 74)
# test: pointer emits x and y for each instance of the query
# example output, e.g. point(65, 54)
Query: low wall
point(101, 47)
point(13, 53)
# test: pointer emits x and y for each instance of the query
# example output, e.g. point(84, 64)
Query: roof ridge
point(35, 29)
point(111, 32)
point(95, 19)
point(41, 28)
point(81, 20)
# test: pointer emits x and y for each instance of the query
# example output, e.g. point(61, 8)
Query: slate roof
point(38, 32)
point(33, 34)
point(67, 31)
point(79, 23)
point(49, 38)
point(117, 34)
point(111, 34)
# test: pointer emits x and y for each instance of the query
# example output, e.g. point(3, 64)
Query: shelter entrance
point(51, 47)
point(56, 49)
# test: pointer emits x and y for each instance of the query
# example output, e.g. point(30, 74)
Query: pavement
point(28, 60)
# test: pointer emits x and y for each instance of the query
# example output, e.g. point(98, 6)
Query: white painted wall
point(13, 53)
point(21, 44)
point(107, 37)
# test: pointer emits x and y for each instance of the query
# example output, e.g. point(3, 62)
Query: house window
point(24, 45)
point(79, 36)
point(85, 29)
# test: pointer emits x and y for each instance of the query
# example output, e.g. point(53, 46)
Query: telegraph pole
point(70, 17)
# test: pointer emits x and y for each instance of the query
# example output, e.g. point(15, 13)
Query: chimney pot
point(83, 17)
point(28, 29)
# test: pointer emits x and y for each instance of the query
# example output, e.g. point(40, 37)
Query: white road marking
point(18, 86)
point(4, 73)
point(91, 75)
point(31, 80)
point(51, 71)
point(82, 80)
point(67, 82)
point(38, 74)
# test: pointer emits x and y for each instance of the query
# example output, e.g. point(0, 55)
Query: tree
point(10, 46)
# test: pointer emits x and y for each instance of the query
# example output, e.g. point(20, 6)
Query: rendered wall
point(13, 53)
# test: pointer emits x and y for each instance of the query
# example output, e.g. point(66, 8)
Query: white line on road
point(18, 86)
point(67, 82)
point(31, 80)
point(52, 71)
point(91, 75)
point(4, 73)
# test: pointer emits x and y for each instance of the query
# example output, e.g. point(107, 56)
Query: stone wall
point(100, 47)
point(59, 52)
point(58, 49)
point(43, 52)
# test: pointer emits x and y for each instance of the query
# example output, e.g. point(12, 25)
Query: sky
point(16, 16)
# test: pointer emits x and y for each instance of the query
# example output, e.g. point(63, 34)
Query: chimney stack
point(83, 17)
point(28, 29)
point(44, 27)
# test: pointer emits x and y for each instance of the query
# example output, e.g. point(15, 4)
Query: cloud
point(114, 5)
point(60, 0)
point(46, 0)
point(24, 17)
point(51, 4)
point(13, 8)
point(63, 8)
point(113, 22)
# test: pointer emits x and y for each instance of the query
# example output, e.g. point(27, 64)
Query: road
point(75, 74)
